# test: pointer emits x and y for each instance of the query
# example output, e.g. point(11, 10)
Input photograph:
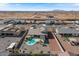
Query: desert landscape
point(60, 15)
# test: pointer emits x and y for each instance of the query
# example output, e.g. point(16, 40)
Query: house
point(9, 30)
point(67, 31)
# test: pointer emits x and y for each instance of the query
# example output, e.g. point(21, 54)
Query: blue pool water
point(31, 42)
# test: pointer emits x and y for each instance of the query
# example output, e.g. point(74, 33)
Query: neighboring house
point(68, 31)
point(69, 22)
point(9, 30)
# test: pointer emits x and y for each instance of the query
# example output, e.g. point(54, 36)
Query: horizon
point(39, 7)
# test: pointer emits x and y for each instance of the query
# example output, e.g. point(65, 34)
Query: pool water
point(31, 42)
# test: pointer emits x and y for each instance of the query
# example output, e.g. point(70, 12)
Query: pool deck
point(35, 49)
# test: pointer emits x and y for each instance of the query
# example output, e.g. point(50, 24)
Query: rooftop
point(67, 30)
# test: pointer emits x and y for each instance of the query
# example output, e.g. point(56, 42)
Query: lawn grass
point(66, 38)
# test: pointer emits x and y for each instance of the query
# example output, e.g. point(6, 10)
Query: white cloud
point(29, 9)
point(76, 4)
point(3, 4)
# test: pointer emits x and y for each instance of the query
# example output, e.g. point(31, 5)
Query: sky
point(39, 6)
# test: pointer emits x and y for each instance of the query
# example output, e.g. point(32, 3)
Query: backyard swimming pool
point(32, 41)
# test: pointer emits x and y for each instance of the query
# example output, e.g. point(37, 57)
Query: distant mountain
point(58, 10)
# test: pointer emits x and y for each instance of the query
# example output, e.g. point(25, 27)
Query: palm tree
point(34, 21)
point(41, 52)
point(51, 22)
point(30, 53)
point(20, 50)
point(23, 51)
point(49, 52)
